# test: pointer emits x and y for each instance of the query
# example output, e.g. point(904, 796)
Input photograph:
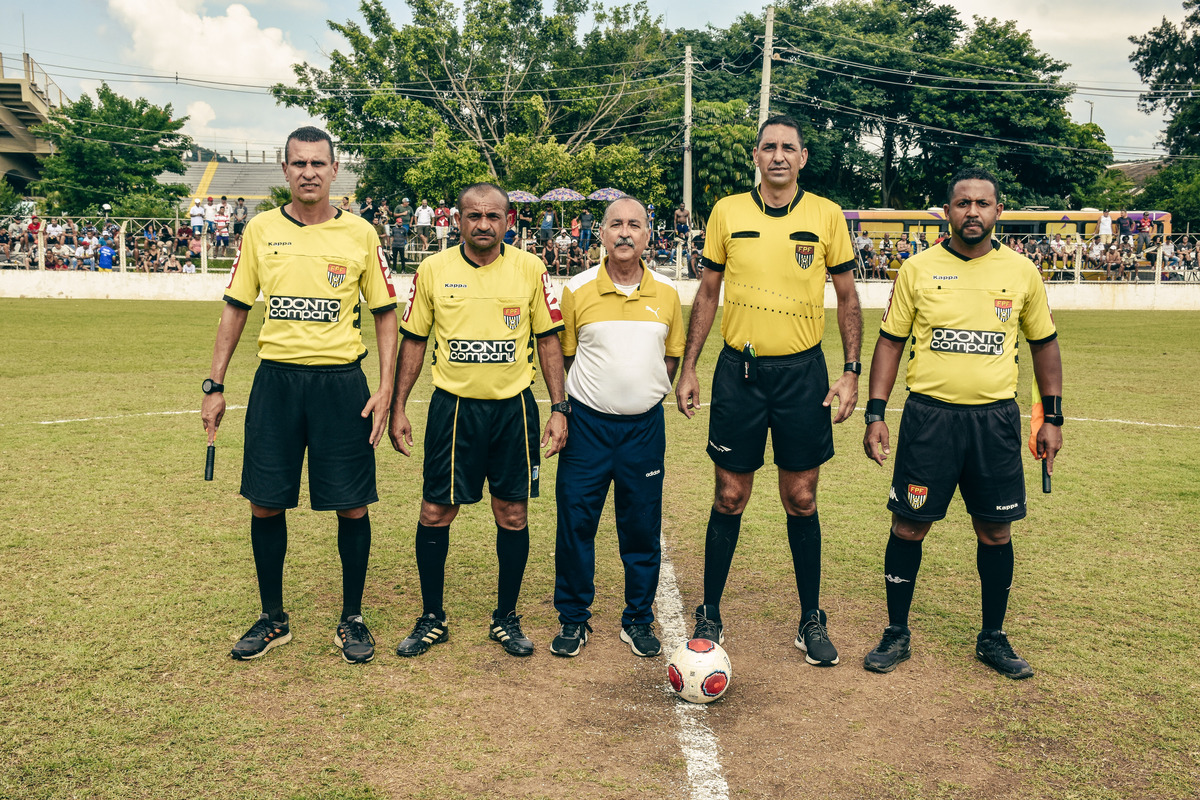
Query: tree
point(445, 169)
point(1175, 188)
point(277, 196)
point(1168, 59)
point(10, 198)
point(110, 148)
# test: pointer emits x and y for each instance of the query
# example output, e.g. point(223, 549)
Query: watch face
point(206, 387)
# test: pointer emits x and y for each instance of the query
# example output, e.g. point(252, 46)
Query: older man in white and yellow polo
point(622, 338)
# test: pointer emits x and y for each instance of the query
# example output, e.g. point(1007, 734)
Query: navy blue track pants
point(627, 452)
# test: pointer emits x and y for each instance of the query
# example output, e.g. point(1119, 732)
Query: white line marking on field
point(128, 416)
point(1095, 419)
point(705, 778)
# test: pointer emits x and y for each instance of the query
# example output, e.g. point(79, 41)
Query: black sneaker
point(262, 636)
point(570, 639)
point(430, 629)
point(813, 639)
point(892, 649)
point(507, 631)
point(708, 624)
point(993, 649)
point(641, 640)
point(356, 642)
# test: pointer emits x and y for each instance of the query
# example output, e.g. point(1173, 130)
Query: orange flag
point(1036, 415)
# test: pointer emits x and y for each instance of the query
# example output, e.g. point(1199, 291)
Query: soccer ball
point(699, 671)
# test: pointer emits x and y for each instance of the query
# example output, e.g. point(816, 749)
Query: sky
point(81, 42)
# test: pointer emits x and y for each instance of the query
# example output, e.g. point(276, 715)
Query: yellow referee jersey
point(775, 261)
point(311, 277)
point(963, 316)
point(483, 318)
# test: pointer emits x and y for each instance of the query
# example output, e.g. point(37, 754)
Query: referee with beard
point(959, 308)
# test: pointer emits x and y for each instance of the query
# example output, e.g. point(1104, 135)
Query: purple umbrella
point(562, 195)
point(607, 193)
point(518, 196)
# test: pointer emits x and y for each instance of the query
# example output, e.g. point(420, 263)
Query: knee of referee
point(731, 496)
point(911, 530)
point(993, 533)
point(511, 515)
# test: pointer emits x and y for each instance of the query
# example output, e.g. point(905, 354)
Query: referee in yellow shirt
point(772, 248)
point(622, 340)
point(311, 262)
point(484, 304)
point(959, 308)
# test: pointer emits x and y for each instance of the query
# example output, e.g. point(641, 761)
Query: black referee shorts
point(786, 397)
point(293, 408)
point(975, 448)
point(468, 440)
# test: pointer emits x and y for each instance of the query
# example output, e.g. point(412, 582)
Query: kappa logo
point(279, 244)
point(454, 285)
point(512, 317)
point(1008, 507)
point(336, 274)
point(892, 493)
point(1004, 310)
point(951, 340)
point(917, 495)
point(804, 255)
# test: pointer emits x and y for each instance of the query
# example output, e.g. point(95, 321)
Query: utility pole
point(764, 91)
point(1091, 110)
point(687, 128)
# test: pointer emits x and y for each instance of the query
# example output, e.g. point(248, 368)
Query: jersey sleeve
point(569, 338)
point(417, 321)
point(839, 256)
point(1037, 323)
point(377, 278)
point(713, 256)
point(898, 316)
point(243, 286)
point(676, 333)
point(546, 316)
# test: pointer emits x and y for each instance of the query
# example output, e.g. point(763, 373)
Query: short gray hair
point(608, 209)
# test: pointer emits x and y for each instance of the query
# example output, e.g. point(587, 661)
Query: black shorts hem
point(824, 460)
point(716, 459)
point(1014, 517)
point(286, 506)
point(345, 506)
point(903, 511)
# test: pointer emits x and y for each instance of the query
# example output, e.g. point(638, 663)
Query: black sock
point(512, 551)
point(995, 563)
point(804, 537)
point(432, 545)
point(268, 539)
point(354, 546)
point(719, 543)
point(901, 562)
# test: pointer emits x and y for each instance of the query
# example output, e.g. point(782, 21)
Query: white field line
point(706, 780)
point(236, 408)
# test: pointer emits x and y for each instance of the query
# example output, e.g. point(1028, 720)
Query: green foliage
point(142, 204)
point(445, 169)
point(10, 198)
point(723, 137)
point(1168, 57)
point(109, 148)
point(279, 196)
point(1175, 188)
point(1111, 190)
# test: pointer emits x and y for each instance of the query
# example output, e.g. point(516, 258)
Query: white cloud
point(178, 36)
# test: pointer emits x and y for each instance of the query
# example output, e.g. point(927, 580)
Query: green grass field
point(126, 578)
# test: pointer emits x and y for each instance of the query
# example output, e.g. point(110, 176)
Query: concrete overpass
point(27, 95)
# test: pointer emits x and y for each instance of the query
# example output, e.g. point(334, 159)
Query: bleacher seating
point(251, 181)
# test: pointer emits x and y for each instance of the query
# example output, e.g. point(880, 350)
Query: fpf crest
point(1004, 309)
point(917, 495)
point(336, 275)
point(512, 317)
point(804, 255)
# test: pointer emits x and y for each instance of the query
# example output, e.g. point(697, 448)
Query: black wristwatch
point(853, 366)
point(211, 387)
point(563, 408)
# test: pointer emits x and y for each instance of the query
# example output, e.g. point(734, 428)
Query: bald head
point(619, 203)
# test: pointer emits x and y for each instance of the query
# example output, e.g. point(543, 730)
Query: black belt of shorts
point(787, 358)
point(925, 399)
point(348, 367)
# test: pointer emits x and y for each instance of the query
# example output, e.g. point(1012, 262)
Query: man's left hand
point(846, 391)
point(556, 433)
point(381, 404)
point(1049, 442)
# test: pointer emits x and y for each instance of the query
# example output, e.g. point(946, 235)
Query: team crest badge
point(512, 317)
point(917, 495)
point(1003, 309)
point(804, 255)
point(336, 275)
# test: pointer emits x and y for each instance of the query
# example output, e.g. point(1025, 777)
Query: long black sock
point(354, 546)
point(268, 539)
point(432, 545)
point(804, 537)
point(719, 543)
point(901, 562)
point(995, 564)
point(512, 551)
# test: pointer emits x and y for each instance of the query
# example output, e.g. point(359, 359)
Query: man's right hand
point(875, 442)
point(400, 431)
point(212, 410)
point(687, 393)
